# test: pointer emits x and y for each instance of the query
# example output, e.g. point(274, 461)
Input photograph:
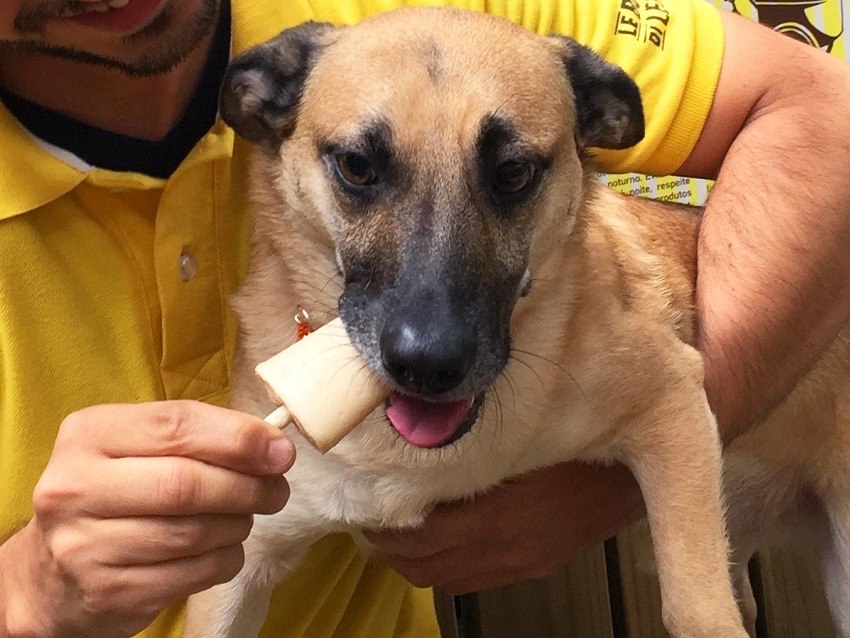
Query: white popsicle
point(322, 385)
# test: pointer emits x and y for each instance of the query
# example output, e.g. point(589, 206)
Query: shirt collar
point(32, 172)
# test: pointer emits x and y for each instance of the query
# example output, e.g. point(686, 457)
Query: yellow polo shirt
point(114, 286)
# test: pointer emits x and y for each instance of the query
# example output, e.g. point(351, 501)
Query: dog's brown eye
point(513, 177)
point(355, 169)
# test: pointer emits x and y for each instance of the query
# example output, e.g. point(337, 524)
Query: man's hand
point(526, 528)
point(139, 506)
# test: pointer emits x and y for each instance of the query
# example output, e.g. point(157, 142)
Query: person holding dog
point(126, 486)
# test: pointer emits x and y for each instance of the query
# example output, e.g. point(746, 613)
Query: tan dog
point(424, 175)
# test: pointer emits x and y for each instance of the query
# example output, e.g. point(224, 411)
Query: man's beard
point(160, 57)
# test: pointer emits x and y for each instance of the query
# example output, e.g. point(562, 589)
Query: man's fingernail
point(280, 454)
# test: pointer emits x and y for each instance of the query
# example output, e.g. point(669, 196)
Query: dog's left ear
point(609, 111)
point(262, 87)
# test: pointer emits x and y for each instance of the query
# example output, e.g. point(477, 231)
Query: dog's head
point(437, 156)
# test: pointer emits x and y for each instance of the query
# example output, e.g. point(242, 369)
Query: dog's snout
point(427, 357)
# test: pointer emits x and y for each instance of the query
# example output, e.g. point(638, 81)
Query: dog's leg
point(749, 509)
point(744, 591)
point(677, 463)
point(835, 564)
point(237, 609)
point(761, 498)
point(276, 546)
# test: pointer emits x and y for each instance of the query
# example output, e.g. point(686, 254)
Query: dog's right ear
point(262, 87)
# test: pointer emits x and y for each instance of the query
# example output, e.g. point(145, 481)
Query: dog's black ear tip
point(633, 133)
point(634, 136)
point(240, 85)
point(628, 104)
point(243, 100)
point(611, 125)
point(252, 128)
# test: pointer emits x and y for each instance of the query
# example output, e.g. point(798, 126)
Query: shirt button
point(188, 267)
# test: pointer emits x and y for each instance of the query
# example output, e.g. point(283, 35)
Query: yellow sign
point(818, 23)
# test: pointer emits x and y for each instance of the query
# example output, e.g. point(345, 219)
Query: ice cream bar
point(322, 385)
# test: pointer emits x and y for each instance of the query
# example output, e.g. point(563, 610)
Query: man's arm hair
point(773, 287)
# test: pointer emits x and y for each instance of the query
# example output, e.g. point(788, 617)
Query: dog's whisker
point(509, 380)
point(499, 419)
point(321, 293)
point(477, 431)
point(513, 357)
point(333, 279)
point(515, 352)
point(539, 357)
point(500, 405)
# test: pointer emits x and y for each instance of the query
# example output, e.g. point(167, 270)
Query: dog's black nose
point(427, 355)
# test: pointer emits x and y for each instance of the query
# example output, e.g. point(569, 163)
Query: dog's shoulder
point(652, 246)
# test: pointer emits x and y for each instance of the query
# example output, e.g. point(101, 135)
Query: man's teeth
point(97, 7)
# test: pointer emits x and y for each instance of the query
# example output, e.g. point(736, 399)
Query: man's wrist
point(18, 617)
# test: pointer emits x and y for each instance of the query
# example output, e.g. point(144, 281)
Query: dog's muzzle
point(428, 358)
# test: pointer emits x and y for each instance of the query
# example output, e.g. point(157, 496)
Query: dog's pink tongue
point(425, 423)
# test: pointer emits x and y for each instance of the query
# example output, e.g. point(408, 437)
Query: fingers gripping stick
point(322, 386)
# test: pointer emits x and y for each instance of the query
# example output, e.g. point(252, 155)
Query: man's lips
point(429, 423)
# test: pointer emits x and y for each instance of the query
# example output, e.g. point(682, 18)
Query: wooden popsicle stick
point(280, 418)
point(323, 442)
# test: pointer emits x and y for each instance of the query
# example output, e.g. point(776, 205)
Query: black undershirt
point(108, 150)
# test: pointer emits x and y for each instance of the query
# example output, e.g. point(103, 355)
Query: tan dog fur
point(600, 368)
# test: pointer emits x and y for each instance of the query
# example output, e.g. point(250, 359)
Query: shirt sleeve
point(672, 48)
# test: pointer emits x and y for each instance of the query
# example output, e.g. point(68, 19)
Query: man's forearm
point(773, 287)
